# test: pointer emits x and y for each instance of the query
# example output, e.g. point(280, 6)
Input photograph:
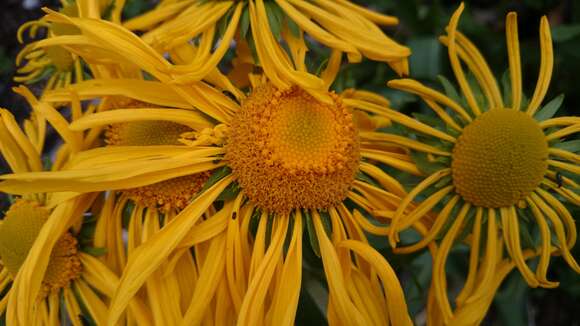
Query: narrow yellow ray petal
point(443, 115)
point(399, 117)
point(151, 254)
point(388, 182)
point(73, 309)
point(482, 68)
point(188, 118)
point(512, 240)
point(473, 268)
point(397, 163)
point(415, 87)
point(155, 16)
point(398, 313)
point(560, 121)
point(318, 33)
point(431, 180)
point(425, 207)
point(206, 286)
point(572, 157)
point(369, 14)
point(563, 132)
point(573, 168)
point(261, 280)
point(143, 90)
point(545, 250)
point(440, 221)
point(456, 64)
point(99, 277)
point(73, 139)
point(559, 229)
point(513, 46)
point(546, 67)
point(342, 305)
point(92, 302)
point(11, 151)
point(563, 213)
point(403, 141)
point(439, 275)
point(198, 70)
point(33, 157)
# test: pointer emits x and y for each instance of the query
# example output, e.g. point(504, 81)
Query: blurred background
point(421, 22)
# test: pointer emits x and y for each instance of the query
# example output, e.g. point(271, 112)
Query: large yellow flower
point(265, 25)
point(42, 264)
point(504, 169)
point(280, 161)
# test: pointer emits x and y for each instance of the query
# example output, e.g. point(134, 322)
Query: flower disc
point(169, 194)
point(287, 150)
point(499, 159)
point(19, 230)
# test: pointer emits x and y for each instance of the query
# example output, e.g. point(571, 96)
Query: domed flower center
point(287, 150)
point(500, 158)
point(19, 230)
point(169, 194)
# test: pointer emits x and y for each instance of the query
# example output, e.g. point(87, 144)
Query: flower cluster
point(205, 152)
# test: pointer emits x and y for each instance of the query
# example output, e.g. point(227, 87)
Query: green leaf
point(292, 26)
point(564, 33)
point(311, 233)
point(548, 110)
point(245, 22)
point(426, 59)
point(450, 90)
point(95, 251)
point(215, 177)
point(231, 192)
point(570, 146)
point(506, 88)
point(424, 165)
point(275, 18)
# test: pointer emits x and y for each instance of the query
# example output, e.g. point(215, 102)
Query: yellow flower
point(280, 161)
point(41, 264)
point(339, 25)
point(504, 169)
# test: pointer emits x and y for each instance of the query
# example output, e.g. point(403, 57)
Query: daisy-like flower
point(265, 26)
point(506, 168)
point(41, 60)
point(280, 162)
point(45, 276)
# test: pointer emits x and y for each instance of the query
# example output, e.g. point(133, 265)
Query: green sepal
point(216, 176)
point(231, 192)
point(244, 22)
point(550, 109)
point(95, 251)
point(311, 233)
point(572, 146)
point(424, 165)
point(275, 18)
point(450, 90)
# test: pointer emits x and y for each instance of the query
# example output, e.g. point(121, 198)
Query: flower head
point(496, 173)
point(281, 160)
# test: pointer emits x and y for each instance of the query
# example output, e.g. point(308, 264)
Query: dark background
point(421, 23)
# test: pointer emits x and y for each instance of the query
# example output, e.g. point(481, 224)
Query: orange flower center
point(288, 150)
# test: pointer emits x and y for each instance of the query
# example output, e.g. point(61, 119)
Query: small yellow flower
point(501, 163)
point(41, 264)
point(41, 60)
